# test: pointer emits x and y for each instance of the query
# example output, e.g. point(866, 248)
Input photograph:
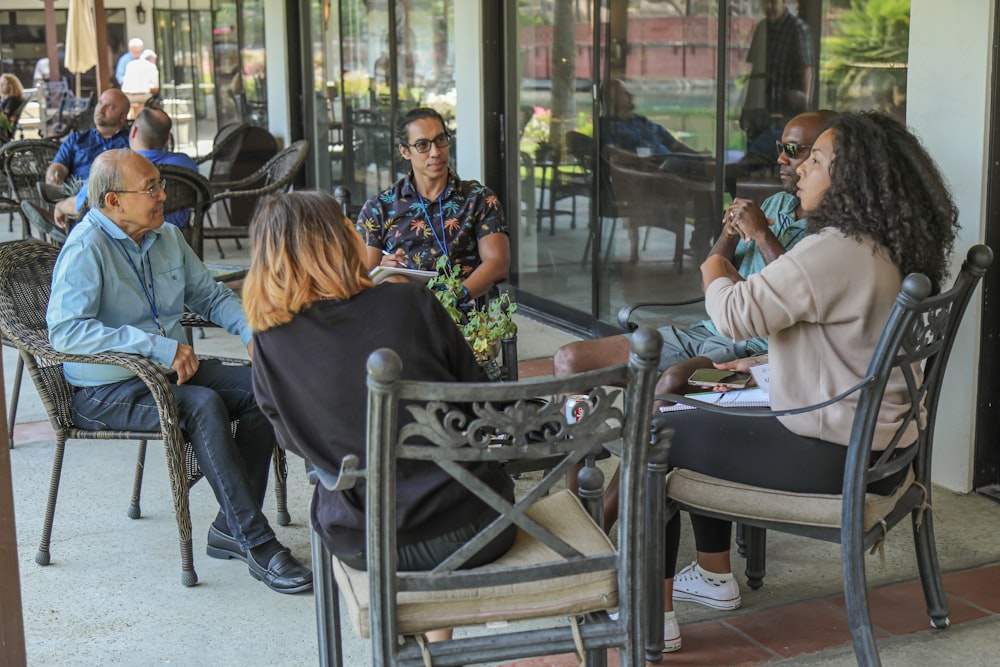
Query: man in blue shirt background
point(79, 149)
point(120, 284)
point(134, 51)
point(148, 137)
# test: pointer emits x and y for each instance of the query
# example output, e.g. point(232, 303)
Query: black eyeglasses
point(423, 145)
point(152, 192)
point(790, 148)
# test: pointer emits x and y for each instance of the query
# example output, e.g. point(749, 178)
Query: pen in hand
point(397, 255)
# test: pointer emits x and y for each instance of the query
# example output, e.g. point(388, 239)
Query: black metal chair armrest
point(762, 412)
point(625, 314)
point(346, 479)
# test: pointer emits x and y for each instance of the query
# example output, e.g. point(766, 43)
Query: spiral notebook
point(754, 397)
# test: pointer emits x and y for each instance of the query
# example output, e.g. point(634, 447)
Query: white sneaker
point(671, 633)
point(719, 591)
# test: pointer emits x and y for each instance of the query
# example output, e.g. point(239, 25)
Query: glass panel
point(556, 158)
point(228, 73)
point(657, 203)
point(253, 62)
point(184, 59)
point(363, 147)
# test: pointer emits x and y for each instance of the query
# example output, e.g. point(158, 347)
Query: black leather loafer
point(283, 574)
point(223, 546)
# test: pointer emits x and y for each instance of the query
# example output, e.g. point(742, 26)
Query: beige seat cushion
point(753, 502)
point(561, 513)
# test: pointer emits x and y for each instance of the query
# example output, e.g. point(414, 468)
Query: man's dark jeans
point(236, 468)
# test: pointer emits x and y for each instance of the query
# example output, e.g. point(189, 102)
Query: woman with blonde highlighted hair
point(316, 318)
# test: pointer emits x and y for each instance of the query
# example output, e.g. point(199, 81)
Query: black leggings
point(758, 451)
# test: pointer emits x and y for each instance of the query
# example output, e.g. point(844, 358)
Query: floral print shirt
point(400, 217)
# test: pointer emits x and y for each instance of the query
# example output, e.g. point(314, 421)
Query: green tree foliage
point(865, 58)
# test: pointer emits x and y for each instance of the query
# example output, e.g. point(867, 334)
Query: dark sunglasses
point(790, 148)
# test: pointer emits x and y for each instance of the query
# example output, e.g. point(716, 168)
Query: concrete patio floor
point(112, 595)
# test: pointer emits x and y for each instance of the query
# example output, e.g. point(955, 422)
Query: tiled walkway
point(814, 626)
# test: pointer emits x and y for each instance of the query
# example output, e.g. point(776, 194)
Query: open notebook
point(754, 397)
point(380, 273)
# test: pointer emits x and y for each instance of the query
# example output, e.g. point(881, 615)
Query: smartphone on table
point(714, 377)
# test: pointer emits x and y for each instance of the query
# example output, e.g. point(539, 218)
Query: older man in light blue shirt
point(120, 284)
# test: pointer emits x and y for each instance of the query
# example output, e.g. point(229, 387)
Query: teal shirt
point(749, 260)
point(98, 303)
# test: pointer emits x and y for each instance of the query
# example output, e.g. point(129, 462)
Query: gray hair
point(107, 175)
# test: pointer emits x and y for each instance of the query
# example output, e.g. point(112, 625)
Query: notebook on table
point(754, 397)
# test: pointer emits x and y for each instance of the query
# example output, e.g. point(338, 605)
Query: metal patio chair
point(920, 332)
point(561, 565)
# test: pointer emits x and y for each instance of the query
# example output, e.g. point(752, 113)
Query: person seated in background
point(878, 210)
point(431, 213)
point(78, 150)
point(624, 129)
point(308, 289)
point(11, 99)
point(753, 236)
point(121, 284)
point(149, 136)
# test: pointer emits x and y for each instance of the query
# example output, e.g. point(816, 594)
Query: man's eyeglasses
point(791, 148)
point(152, 192)
point(423, 145)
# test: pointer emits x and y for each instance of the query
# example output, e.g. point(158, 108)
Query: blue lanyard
point(150, 297)
point(440, 241)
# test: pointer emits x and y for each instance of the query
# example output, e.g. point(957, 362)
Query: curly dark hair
point(883, 184)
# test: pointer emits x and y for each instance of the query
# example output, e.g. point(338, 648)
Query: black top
point(10, 104)
point(309, 378)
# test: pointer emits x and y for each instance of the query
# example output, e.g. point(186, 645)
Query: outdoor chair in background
point(373, 143)
point(569, 177)
point(238, 154)
point(74, 114)
point(276, 175)
point(23, 164)
point(648, 197)
point(187, 190)
point(225, 147)
point(920, 333)
point(25, 283)
point(562, 566)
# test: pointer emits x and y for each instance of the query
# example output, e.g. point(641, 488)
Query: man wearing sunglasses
point(148, 137)
point(120, 284)
point(431, 213)
point(752, 237)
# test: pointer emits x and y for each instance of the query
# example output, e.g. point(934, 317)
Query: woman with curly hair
point(878, 209)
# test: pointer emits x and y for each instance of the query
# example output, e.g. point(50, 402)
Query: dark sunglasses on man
point(790, 148)
point(423, 145)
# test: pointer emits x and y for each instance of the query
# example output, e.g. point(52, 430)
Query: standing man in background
point(133, 53)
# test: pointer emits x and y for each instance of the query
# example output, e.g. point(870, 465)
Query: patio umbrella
point(81, 39)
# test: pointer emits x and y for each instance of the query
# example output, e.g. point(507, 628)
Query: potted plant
point(484, 327)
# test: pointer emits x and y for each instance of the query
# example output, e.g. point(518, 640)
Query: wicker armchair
point(187, 190)
point(23, 164)
point(275, 176)
point(25, 282)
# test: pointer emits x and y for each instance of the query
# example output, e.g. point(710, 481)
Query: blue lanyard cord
point(151, 292)
point(440, 241)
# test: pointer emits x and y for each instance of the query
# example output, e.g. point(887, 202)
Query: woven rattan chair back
point(187, 190)
point(276, 175)
point(23, 164)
